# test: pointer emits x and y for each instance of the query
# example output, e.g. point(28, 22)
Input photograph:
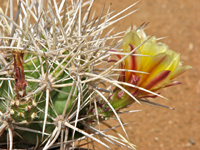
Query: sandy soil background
point(160, 128)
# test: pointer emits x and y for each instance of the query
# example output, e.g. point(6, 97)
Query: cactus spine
point(56, 82)
point(49, 74)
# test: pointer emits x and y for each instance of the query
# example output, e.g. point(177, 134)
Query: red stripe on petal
point(116, 54)
point(130, 64)
point(174, 83)
point(112, 60)
point(132, 47)
point(158, 81)
point(158, 62)
point(133, 60)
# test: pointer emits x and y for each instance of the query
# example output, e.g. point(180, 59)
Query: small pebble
point(156, 138)
point(191, 141)
point(191, 46)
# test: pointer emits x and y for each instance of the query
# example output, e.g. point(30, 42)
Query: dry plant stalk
point(58, 78)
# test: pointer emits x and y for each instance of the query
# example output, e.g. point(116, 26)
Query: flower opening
point(159, 63)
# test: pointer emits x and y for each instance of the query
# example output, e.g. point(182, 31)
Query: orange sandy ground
point(160, 128)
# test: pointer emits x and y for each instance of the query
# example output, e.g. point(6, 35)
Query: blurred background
point(160, 128)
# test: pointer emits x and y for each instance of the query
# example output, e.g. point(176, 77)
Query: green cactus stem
point(23, 107)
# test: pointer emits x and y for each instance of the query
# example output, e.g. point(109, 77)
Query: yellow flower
point(156, 59)
point(159, 63)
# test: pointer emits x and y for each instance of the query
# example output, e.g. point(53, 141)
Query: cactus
point(59, 78)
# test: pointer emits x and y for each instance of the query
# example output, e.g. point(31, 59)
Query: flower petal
point(179, 70)
point(159, 81)
point(132, 62)
point(174, 63)
point(162, 47)
point(148, 48)
point(140, 32)
point(173, 83)
point(156, 64)
point(131, 38)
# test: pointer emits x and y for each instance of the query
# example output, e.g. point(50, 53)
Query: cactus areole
point(60, 74)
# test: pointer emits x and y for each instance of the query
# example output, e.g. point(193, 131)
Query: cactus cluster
point(59, 76)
